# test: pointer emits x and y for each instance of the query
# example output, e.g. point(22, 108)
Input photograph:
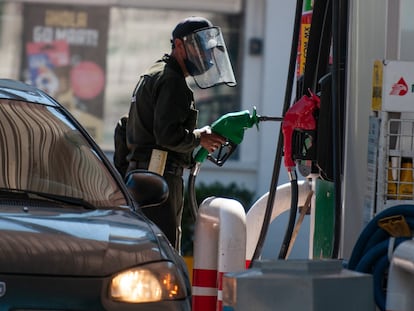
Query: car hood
point(96, 243)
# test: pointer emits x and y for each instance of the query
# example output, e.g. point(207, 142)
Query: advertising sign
point(65, 55)
point(397, 86)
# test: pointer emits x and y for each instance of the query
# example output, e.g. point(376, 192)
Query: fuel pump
point(232, 127)
point(299, 132)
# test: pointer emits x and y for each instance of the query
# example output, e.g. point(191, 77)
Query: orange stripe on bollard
point(220, 291)
point(204, 303)
point(204, 289)
point(204, 278)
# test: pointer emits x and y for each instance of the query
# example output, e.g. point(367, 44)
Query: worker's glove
point(204, 130)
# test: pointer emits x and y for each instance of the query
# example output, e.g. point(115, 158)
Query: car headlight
point(149, 283)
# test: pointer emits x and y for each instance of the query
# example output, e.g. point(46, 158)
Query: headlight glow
point(149, 283)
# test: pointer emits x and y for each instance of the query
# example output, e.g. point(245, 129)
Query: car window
point(43, 151)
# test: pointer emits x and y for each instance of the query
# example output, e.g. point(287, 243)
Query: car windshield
point(43, 151)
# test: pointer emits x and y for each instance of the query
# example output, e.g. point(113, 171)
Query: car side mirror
point(147, 188)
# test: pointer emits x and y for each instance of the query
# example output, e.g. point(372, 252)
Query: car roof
point(17, 90)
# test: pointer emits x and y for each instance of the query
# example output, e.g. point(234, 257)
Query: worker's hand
point(209, 140)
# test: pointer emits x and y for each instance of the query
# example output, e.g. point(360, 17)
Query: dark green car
point(72, 235)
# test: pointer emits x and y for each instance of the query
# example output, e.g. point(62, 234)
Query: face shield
point(207, 59)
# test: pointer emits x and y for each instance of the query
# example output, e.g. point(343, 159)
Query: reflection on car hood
point(95, 243)
point(12, 89)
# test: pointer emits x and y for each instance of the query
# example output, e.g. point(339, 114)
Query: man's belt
point(133, 165)
point(173, 169)
point(170, 168)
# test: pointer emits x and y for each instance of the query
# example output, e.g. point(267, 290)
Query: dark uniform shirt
point(162, 115)
point(121, 149)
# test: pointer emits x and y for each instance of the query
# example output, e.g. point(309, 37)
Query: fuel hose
point(279, 151)
point(339, 43)
point(292, 216)
point(191, 190)
point(371, 250)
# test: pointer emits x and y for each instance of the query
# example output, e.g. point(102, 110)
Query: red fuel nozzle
point(301, 116)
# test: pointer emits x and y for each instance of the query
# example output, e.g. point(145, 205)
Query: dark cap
point(189, 25)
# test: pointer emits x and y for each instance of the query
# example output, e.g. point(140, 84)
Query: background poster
point(65, 55)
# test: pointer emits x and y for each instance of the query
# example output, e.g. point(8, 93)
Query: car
point(72, 232)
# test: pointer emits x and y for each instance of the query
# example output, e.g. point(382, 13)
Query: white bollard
point(219, 247)
point(255, 215)
point(232, 241)
point(206, 231)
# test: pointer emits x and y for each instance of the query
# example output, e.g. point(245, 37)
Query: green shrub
point(203, 191)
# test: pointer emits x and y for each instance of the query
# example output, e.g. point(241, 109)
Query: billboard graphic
point(65, 55)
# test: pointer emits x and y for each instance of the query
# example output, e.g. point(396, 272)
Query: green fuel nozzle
point(232, 127)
